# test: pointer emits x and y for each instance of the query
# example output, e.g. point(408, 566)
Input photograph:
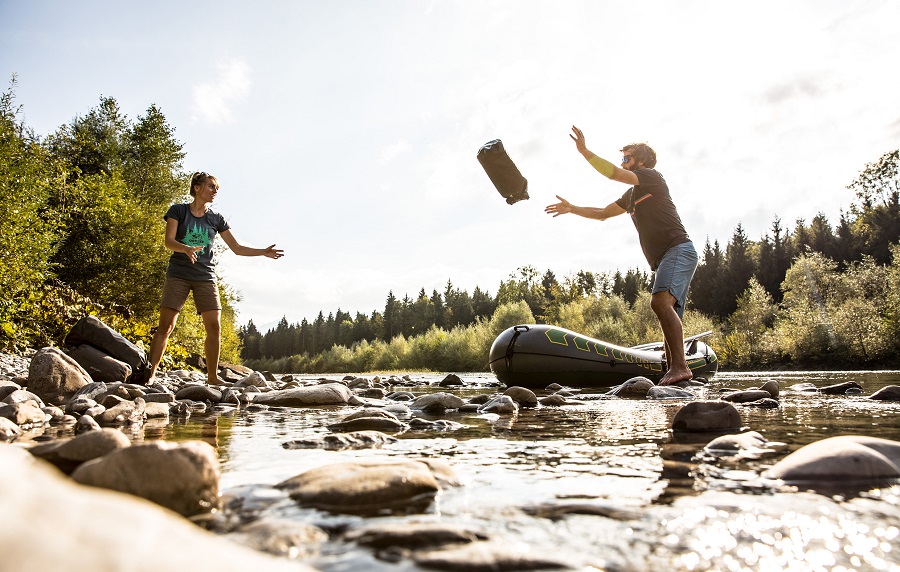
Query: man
point(665, 243)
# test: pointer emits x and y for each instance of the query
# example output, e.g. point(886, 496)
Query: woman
point(191, 231)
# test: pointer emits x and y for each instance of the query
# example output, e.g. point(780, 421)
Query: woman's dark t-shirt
point(653, 213)
point(195, 231)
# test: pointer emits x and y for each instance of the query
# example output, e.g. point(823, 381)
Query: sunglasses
point(627, 158)
point(199, 175)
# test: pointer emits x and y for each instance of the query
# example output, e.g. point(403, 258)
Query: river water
point(602, 484)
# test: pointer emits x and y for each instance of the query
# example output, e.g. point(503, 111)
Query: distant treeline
point(774, 301)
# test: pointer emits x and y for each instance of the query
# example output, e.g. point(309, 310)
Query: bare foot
point(215, 381)
point(674, 376)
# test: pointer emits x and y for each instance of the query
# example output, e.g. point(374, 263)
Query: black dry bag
point(503, 172)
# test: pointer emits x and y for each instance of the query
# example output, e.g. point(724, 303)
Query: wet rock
point(634, 387)
point(156, 410)
point(746, 396)
point(412, 535)
point(55, 377)
point(25, 413)
point(183, 477)
point(341, 441)
point(501, 405)
point(451, 380)
point(78, 405)
point(437, 402)
point(486, 557)
point(126, 412)
point(92, 391)
point(670, 392)
point(888, 393)
point(805, 387)
point(766, 403)
point(706, 416)
point(21, 396)
point(37, 494)
point(522, 396)
point(373, 393)
point(554, 400)
point(281, 537)
point(8, 430)
point(167, 398)
point(740, 442)
point(373, 423)
point(419, 424)
point(255, 379)
point(841, 388)
point(325, 394)
point(400, 396)
point(846, 458)
point(772, 388)
point(556, 511)
point(365, 486)
point(68, 454)
point(86, 423)
point(199, 393)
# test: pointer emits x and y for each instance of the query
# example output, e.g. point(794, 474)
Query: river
point(654, 503)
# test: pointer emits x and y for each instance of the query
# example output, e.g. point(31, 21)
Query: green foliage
point(28, 173)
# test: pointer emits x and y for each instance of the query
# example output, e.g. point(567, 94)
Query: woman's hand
point(562, 207)
point(272, 252)
point(192, 252)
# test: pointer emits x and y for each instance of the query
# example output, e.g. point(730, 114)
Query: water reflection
point(603, 482)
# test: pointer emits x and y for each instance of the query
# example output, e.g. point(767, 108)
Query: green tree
point(27, 243)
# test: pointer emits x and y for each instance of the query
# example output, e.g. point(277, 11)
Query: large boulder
point(840, 459)
point(183, 477)
point(55, 377)
point(100, 528)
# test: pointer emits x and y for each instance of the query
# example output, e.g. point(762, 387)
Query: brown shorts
point(176, 290)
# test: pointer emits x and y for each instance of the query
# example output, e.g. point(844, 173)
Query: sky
point(346, 132)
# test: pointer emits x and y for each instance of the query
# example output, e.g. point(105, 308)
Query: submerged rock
point(703, 416)
point(340, 441)
point(487, 557)
point(841, 388)
point(437, 402)
point(888, 393)
point(365, 486)
point(738, 442)
point(324, 394)
point(634, 387)
point(846, 458)
point(746, 396)
point(522, 396)
point(412, 535)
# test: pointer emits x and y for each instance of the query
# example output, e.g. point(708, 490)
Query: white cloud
point(213, 99)
point(391, 152)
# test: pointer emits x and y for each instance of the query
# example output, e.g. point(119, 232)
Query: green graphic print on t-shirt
point(197, 236)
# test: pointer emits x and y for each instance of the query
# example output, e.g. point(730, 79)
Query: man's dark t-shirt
point(195, 231)
point(653, 213)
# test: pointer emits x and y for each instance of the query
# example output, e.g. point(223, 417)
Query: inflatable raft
point(537, 355)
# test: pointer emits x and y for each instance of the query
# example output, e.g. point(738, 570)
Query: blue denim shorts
point(674, 273)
